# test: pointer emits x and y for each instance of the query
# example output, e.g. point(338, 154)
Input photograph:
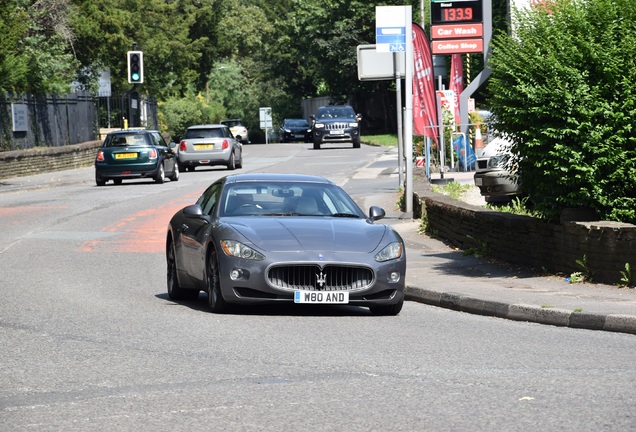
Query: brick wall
point(20, 163)
point(531, 242)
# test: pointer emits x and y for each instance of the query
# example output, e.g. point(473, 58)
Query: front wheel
point(216, 302)
point(356, 143)
point(316, 145)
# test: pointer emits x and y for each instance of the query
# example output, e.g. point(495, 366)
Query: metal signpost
point(394, 34)
point(265, 117)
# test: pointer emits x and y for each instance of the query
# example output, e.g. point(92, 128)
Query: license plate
point(336, 132)
point(125, 155)
point(321, 297)
point(203, 146)
point(478, 181)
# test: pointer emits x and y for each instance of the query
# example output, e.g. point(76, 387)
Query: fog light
point(236, 274)
point(394, 277)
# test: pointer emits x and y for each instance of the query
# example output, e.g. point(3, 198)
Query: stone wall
point(20, 163)
point(531, 242)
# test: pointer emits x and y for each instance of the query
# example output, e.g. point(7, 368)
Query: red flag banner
point(457, 82)
point(424, 106)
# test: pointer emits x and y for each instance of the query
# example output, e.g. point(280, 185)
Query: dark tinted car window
point(158, 140)
point(206, 133)
point(208, 200)
point(232, 123)
point(296, 123)
point(335, 112)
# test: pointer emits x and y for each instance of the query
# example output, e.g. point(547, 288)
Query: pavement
point(441, 275)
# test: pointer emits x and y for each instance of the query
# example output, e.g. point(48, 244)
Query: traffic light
point(135, 67)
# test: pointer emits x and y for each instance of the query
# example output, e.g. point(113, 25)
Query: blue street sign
point(392, 39)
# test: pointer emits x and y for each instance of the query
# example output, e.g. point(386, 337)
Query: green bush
point(177, 114)
point(564, 90)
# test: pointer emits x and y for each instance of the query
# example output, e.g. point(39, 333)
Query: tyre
point(239, 163)
point(117, 181)
point(175, 174)
point(216, 302)
point(316, 145)
point(387, 310)
point(356, 143)
point(161, 174)
point(99, 181)
point(175, 292)
point(231, 165)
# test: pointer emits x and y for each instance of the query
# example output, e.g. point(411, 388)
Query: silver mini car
point(211, 144)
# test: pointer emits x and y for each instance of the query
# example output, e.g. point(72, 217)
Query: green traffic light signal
point(135, 67)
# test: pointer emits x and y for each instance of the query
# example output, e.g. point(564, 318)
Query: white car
point(492, 178)
point(238, 130)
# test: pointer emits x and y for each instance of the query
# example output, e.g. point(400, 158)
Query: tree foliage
point(564, 90)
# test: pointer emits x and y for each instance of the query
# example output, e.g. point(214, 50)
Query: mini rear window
point(127, 140)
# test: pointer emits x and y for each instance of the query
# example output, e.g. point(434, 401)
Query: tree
point(107, 29)
point(35, 50)
point(564, 91)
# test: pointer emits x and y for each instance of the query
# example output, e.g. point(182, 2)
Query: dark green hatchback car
point(133, 154)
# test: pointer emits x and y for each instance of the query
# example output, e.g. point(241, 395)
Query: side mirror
point(359, 117)
point(376, 213)
point(195, 211)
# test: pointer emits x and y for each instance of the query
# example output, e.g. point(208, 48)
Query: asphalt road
point(90, 340)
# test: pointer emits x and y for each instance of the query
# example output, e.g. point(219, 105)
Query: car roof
point(253, 177)
point(207, 126)
point(230, 120)
point(132, 131)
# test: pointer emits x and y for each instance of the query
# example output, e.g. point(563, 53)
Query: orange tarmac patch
point(143, 232)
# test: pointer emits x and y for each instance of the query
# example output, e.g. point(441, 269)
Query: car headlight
point(389, 252)
point(239, 250)
point(498, 161)
point(353, 125)
point(319, 126)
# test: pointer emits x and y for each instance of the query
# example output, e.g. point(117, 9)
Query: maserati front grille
point(315, 278)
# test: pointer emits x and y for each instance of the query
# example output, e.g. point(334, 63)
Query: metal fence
point(28, 121)
point(135, 109)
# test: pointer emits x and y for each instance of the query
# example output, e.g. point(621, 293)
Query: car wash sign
point(390, 28)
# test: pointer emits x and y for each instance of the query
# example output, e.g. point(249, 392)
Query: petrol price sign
point(457, 11)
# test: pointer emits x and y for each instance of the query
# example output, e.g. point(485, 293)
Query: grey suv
point(335, 123)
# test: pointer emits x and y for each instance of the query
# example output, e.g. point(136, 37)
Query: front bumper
point(254, 287)
point(321, 135)
point(496, 183)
